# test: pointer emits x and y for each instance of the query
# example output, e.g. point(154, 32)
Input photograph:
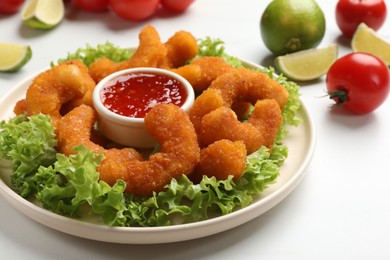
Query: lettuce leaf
point(90, 54)
point(28, 143)
point(71, 186)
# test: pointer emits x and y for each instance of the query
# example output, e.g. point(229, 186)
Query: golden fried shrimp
point(243, 84)
point(75, 128)
point(208, 101)
point(101, 68)
point(20, 107)
point(266, 116)
point(260, 129)
point(151, 52)
point(191, 72)
point(212, 68)
point(181, 47)
point(169, 124)
point(179, 153)
point(221, 159)
point(222, 123)
point(66, 82)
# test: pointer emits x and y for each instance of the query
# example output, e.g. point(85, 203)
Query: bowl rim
point(107, 114)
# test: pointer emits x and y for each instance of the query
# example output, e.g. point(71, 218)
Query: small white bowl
point(130, 131)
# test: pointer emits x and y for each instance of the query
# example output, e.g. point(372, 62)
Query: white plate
point(300, 141)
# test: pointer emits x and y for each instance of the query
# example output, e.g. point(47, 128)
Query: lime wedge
point(308, 64)
point(43, 14)
point(13, 56)
point(365, 39)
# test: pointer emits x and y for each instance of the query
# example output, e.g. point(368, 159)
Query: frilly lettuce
point(70, 185)
point(28, 145)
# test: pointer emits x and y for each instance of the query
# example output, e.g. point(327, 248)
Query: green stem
point(339, 96)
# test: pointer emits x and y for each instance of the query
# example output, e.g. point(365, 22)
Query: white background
point(340, 210)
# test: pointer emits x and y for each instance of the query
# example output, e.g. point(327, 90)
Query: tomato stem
point(339, 96)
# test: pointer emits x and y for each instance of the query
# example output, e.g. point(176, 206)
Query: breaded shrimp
point(75, 128)
point(191, 72)
point(212, 68)
point(20, 107)
point(208, 101)
point(242, 84)
point(221, 159)
point(151, 52)
point(66, 82)
point(222, 123)
point(181, 47)
point(168, 123)
point(266, 116)
point(260, 129)
point(179, 153)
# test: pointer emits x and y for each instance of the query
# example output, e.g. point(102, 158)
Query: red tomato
point(176, 5)
point(134, 10)
point(359, 82)
point(10, 6)
point(91, 5)
point(350, 13)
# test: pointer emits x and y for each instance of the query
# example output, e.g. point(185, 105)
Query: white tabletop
point(340, 210)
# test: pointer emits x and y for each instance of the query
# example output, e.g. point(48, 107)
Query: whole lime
point(292, 25)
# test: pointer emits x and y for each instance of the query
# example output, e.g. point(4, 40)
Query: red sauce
point(134, 95)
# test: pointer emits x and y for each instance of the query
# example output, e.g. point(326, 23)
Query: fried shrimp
point(202, 71)
point(212, 68)
point(75, 128)
point(242, 84)
point(151, 52)
point(179, 153)
point(214, 119)
point(50, 90)
point(181, 47)
point(208, 101)
point(266, 116)
point(222, 123)
point(260, 129)
point(221, 159)
point(169, 124)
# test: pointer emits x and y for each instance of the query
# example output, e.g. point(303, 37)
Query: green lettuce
point(90, 54)
point(70, 185)
point(28, 143)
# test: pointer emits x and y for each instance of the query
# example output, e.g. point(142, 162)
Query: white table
point(341, 209)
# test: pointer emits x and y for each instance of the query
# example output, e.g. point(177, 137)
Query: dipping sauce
point(135, 94)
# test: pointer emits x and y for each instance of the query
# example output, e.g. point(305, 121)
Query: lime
point(43, 14)
point(365, 39)
point(13, 56)
point(307, 64)
point(292, 25)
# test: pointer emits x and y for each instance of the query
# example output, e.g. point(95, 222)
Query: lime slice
point(308, 64)
point(43, 14)
point(13, 56)
point(365, 39)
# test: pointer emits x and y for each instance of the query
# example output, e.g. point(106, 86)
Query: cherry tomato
point(10, 6)
point(91, 5)
point(177, 6)
point(350, 13)
point(134, 10)
point(359, 82)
